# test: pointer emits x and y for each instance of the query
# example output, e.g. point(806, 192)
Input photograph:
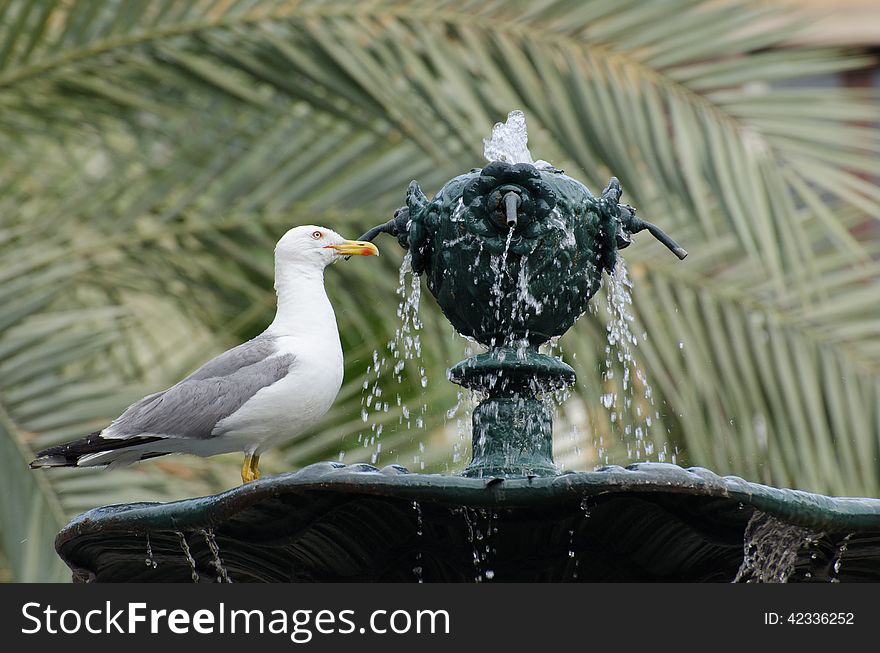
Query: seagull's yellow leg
point(250, 469)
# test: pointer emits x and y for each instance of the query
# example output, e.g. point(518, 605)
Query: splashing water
point(510, 142)
point(462, 412)
point(525, 298)
point(508, 284)
point(770, 548)
point(629, 399)
point(405, 349)
point(184, 546)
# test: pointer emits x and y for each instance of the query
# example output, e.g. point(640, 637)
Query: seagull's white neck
point(303, 307)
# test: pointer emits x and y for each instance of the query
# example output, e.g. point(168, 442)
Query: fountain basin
point(331, 522)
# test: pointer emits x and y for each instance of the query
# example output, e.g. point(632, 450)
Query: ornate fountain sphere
point(512, 253)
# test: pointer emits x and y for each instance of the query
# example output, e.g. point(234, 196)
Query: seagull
point(251, 397)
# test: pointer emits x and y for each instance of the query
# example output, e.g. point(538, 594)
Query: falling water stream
point(837, 560)
point(214, 548)
point(417, 569)
point(150, 561)
point(770, 549)
point(403, 350)
point(498, 265)
point(462, 412)
point(481, 525)
point(630, 402)
point(184, 546)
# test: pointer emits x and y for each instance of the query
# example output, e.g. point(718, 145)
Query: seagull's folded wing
point(193, 407)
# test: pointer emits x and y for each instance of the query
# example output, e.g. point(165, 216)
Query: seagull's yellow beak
point(355, 248)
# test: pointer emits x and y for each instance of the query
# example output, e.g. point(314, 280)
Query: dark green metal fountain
point(512, 252)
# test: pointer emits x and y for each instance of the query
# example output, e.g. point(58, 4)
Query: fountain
point(512, 252)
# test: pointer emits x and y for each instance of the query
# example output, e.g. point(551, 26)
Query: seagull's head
point(318, 246)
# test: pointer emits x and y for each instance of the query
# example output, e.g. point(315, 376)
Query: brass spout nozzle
point(511, 203)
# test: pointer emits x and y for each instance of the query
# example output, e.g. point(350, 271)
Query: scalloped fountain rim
point(793, 506)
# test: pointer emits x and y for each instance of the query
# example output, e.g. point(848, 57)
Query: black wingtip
point(50, 461)
point(70, 454)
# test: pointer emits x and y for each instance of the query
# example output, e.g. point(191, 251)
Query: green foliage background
point(152, 152)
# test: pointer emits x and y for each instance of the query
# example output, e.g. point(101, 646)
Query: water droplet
point(150, 560)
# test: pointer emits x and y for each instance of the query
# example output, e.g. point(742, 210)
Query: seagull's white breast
point(293, 404)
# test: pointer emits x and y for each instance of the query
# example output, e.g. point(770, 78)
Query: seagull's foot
point(250, 469)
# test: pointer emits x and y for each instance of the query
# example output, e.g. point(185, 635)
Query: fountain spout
point(511, 203)
point(396, 226)
point(632, 225)
point(629, 224)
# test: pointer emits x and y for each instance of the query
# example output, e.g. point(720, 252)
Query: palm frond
point(153, 152)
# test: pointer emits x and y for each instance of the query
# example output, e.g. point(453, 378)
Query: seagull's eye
point(317, 235)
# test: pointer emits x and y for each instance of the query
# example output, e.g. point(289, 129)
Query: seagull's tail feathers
point(93, 451)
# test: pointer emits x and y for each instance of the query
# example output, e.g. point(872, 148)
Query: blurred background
point(152, 152)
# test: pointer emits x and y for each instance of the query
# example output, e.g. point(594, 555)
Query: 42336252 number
point(810, 618)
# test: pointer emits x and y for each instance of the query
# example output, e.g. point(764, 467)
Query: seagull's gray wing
point(230, 361)
point(193, 407)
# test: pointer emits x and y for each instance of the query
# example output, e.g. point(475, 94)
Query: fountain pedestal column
point(512, 436)
point(513, 424)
